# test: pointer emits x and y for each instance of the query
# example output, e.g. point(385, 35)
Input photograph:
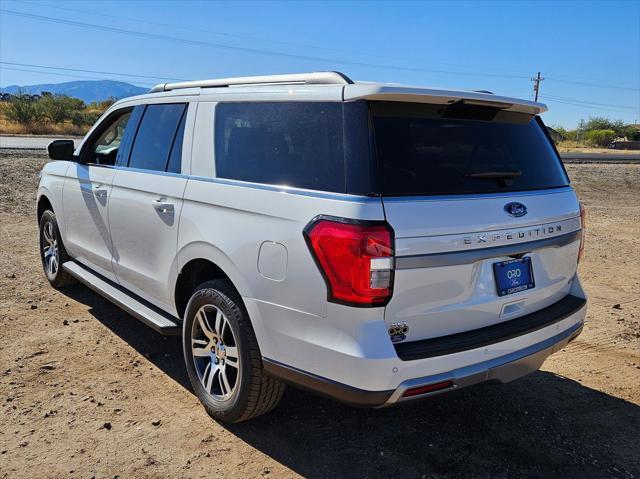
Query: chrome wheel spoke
point(232, 356)
point(215, 353)
point(47, 232)
point(204, 324)
point(50, 250)
point(224, 382)
point(219, 323)
point(201, 352)
point(206, 376)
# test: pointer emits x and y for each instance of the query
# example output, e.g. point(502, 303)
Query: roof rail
point(315, 78)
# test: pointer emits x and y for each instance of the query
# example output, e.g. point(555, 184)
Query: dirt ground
point(87, 391)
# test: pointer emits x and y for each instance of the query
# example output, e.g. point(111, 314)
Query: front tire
point(52, 252)
point(222, 357)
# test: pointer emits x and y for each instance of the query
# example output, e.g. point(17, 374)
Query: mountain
point(87, 91)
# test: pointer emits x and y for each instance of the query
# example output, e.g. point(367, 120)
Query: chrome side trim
point(289, 189)
point(467, 257)
point(503, 369)
point(257, 186)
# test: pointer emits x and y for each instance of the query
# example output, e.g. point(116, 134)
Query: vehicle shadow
point(541, 425)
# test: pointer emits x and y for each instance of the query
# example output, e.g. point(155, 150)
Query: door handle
point(99, 191)
point(163, 206)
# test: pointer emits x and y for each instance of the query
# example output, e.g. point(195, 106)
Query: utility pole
point(536, 85)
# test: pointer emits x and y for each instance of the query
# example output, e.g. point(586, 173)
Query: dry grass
point(40, 128)
point(572, 146)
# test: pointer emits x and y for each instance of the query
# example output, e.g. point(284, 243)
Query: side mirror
point(61, 150)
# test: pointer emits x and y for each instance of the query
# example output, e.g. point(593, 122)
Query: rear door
point(146, 200)
point(473, 193)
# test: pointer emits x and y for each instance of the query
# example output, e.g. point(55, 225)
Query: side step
point(136, 307)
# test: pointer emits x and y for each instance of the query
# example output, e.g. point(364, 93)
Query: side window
point(155, 136)
point(104, 149)
point(294, 144)
point(175, 158)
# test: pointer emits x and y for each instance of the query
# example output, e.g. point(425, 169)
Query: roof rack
point(315, 78)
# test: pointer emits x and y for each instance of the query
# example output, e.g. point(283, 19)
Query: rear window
point(461, 149)
point(155, 136)
point(293, 144)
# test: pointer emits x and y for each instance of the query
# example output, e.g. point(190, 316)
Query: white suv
point(376, 243)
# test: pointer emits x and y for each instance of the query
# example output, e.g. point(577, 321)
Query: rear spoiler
point(365, 91)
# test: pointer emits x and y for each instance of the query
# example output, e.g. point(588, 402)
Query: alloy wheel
point(215, 353)
point(50, 250)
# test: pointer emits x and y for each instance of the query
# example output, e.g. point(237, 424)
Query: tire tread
point(265, 391)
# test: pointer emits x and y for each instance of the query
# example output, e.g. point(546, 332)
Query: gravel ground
point(87, 391)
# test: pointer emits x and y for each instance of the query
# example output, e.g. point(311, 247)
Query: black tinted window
point(294, 144)
point(427, 150)
point(155, 136)
point(175, 159)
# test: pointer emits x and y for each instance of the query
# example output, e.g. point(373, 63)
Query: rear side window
point(461, 149)
point(296, 144)
point(155, 136)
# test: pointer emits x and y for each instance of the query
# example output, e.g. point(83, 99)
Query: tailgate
point(445, 252)
point(467, 186)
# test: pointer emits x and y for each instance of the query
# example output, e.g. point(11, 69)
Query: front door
point(86, 194)
point(145, 204)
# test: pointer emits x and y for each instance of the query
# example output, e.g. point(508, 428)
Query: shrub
point(59, 108)
point(600, 137)
point(82, 118)
point(23, 110)
point(571, 135)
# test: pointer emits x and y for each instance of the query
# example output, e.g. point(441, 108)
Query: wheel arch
point(43, 204)
point(200, 262)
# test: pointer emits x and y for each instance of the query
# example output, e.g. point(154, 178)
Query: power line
point(91, 71)
point(597, 85)
point(49, 67)
point(623, 107)
point(590, 107)
point(260, 39)
point(63, 74)
point(259, 51)
point(568, 101)
point(562, 79)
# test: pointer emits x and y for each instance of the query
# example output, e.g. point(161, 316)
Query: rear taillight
point(355, 258)
point(583, 216)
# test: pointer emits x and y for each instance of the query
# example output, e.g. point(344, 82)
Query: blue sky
point(588, 52)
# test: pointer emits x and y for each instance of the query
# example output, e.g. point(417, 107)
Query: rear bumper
point(504, 368)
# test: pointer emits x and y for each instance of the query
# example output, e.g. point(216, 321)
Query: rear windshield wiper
point(494, 175)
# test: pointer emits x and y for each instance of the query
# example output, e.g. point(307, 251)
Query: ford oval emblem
point(515, 209)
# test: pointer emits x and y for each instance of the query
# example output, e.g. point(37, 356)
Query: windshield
point(461, 149)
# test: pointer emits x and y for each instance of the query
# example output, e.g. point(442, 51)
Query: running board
point(136, 307)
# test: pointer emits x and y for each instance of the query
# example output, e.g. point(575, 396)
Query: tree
point(602, 123)
point(23, 110)
point(60, 108)
point(600, 137)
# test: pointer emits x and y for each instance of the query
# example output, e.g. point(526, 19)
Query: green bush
point(84, 118)
point(21, 109)
point(571, 135)
point(600, 137)
point(59, 108)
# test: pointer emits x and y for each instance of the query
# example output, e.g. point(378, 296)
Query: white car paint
point(124, 237)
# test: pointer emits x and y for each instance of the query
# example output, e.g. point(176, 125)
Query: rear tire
point(222, 357)
point(52, 252)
